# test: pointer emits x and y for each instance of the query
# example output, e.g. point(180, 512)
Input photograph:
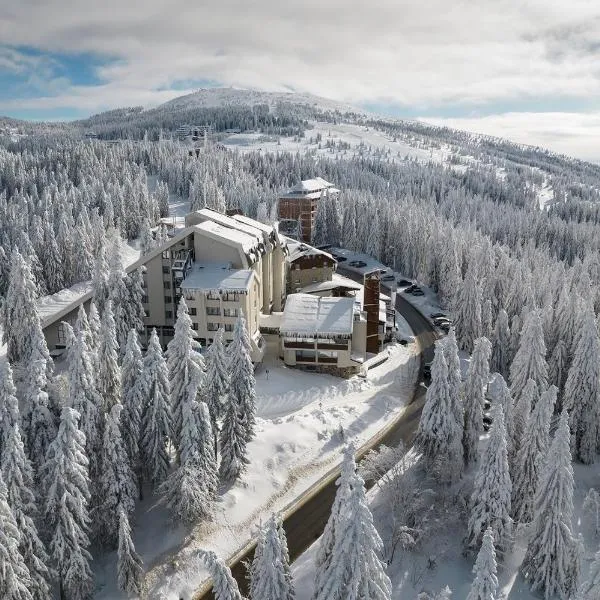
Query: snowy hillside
point(215, 97)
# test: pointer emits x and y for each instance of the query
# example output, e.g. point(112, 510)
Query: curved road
point(304, 522)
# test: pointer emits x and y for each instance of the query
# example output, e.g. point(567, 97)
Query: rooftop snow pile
point(311, 316)
point(310, 188)
point(218, 279)
point(248, 243)
point(298, 249)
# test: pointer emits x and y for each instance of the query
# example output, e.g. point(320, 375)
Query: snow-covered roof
point(324, 286)
point(272, 321)
point(310, 188)
point(226, 221)
point(299, 249)
point(248, 243)
point(217, 278)
point(312, 316)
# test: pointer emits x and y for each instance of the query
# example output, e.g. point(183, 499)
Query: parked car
point(388, 277)
point(359, 264)
point(404, 282)
point(436, 315)
point(427, 370)
point(445, 327)
point(487, 422)
point(340, 258)
point(441, 320)
point(418, 292)
point(410, 289)
point(405, 340)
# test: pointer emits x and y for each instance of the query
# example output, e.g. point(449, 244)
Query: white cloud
point(574, 134)
point(427, 54)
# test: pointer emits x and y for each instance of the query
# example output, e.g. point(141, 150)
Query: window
point(166, 269)
point(228, 326)
point(168, 314)
point(167, 285)
point(210, 340)
point(230, 312)
point(144, 299)
point(166, 254)
point(212, 327)
point(202, 342)
point(146, 313)
point(212, 296)
point(231, 297)
point(168, 331)
point(168, 299)
point(213, 310)
point(193, 311)
point(62, 337)
point(195, 326)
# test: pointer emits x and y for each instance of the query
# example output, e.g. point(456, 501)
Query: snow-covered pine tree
point(156, 419)
point(19, 311)
point(285, 559)
point(135, 313)
point(162, 197)
point(84, 398)
point(185, 364)
point(582, 389)
point(133, 402)
point(66, 512)
point(130, 573)
point(531, 456)
point(239, 419)
point(41, 425)
point(590, 590)
point(490, 500)
point(501, 345)
point(323, 560)
point(521, 413)
point(485, 584)
point(190, 489)
point(557, 366)
point(548, 561)
point(118, 292)
point(225, 587)
point(467, 307)
point(18, 477)
point(454, 376)
point(9, 406)
point(320, 235)
point(530, 359)
point(501, 395)
point(269, 578)
point(108, 378)
point(474, 397)
point(216, 381)
point(117, 483)
point(94, 326)
point(147, 243)
point(439, 436)
point(356, 571)
point(15, 581)
point(100, 278)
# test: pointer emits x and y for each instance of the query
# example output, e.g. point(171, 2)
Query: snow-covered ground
point(297, 442)
point(345, 140)
point(440, 561)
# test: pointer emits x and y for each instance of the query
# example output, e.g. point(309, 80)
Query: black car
point(410, 289)
point(436, 315)
point(418, 292)
point(388, 277)
point(359, 264)
point(441, 320)
point(427, 370)
point(340, 258)
point(404, 282)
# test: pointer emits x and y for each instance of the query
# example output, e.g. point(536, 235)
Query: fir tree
point(501, 353)
point(100, 279)
point(225, 586)
point(109, 373)
point(502, 396)
point(530, 359)
point(15, 580)
point(66, 511)
point(18, 477)
point(582, 390)
point(454, 376)
point(521, 413)
point(474, 397)
point(531, 456)
point(156, 420)
point(491, 495)
point(468, 312)
point(548, 562)
point(133, 402)
point(19, 311)
point(191, 488)
point(269, 574)
point(439, 435)
point(216, 382)
point(118, 292)
point(356, 571)
point(323, 562)
point(134, 305)
point(84, 399)
point(185, 364)
point(590, 590)
point(147, 243)
point(485, 584)
point(9, 406)
point(238, 423)
point(130, 573)
point(117, 484)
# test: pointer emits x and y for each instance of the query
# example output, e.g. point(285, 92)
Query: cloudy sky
point(528, 70)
